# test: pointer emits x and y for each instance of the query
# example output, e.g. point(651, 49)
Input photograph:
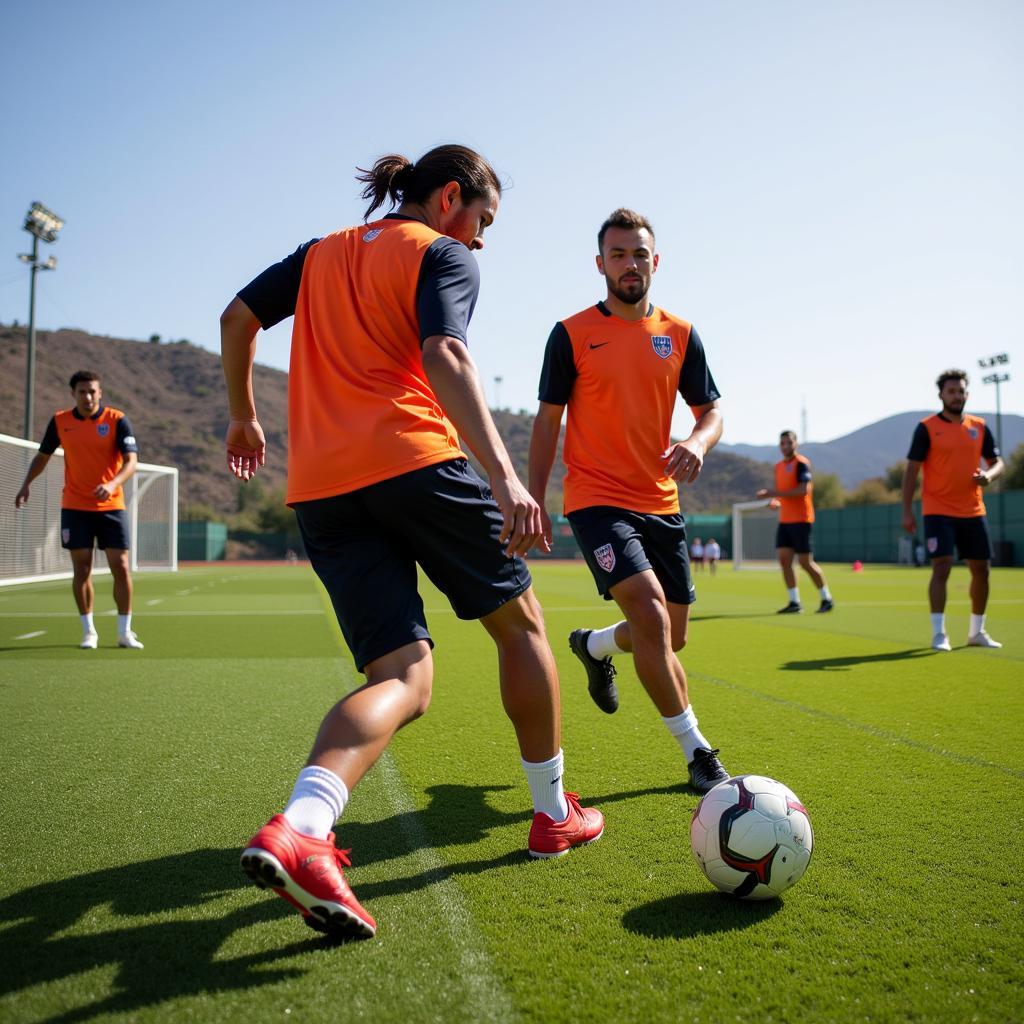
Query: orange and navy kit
point(620, 379)
point(94, 450)
point(790, 473)
point(951, 453)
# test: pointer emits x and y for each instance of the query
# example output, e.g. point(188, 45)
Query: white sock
point(938, 622)
point(316, 802)
point(684, 728)
point(825, 594)
point(545, 779)
point(87, 623)
point(601, 643)
point(794, 594)
point(124, 623)
point(977, 624)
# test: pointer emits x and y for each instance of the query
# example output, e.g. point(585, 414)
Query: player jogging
point(794, 489)
point(100, 454)
point(949, 447)
point(618, 366)
point(380, 380)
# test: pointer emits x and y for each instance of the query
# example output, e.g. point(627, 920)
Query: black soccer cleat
point(600, 672)
point(793, 608)
point(826, 605)
point(706, 770)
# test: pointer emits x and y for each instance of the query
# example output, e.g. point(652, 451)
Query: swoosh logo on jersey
point(600, 344)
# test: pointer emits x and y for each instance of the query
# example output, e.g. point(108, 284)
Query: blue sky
point(836, 187)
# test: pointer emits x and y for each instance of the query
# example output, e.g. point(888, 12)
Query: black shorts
point(82, 529)
point(617, 544)
point(365, 546)
point(969, 536)
point(794, 535)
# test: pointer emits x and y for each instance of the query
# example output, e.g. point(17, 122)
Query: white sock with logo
point(124, 624)
point(938, 622)
point(87, 623)
point(684, 728)
point(316, 802)
point(601, 643)
point(977, 624)
point(545, 779)
point(794, 594)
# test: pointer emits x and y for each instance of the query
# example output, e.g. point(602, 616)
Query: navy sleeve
point(696, 384)
point(51, 440)
point(988, 446)
point(126, 437)
point(919, 444)
point(558, 374)
point(273, 294)
point(446, 294)
point(803, 473)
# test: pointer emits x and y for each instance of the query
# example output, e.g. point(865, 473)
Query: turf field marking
point(169, 613)
point(871, 730)
point(31, 636)
point(155, 600)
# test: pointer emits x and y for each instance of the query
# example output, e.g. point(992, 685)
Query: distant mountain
point(869, 451)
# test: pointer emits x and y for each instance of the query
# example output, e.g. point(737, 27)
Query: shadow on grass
point(697, 913)
point(844, 664)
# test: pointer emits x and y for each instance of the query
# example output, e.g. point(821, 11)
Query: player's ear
point(600, 264)
point(654, 264)
point(449, 194)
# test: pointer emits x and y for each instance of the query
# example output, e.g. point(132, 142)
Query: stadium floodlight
point(998, 378)
point(996, 360)
point(43, 225)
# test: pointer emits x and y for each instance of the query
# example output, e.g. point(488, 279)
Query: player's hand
point(981, 478)
point(909, 523)
point(521, 526)
point(21, 497)
point(103, 491)
point(775, 503)
point(762, 493)
point(683, 461)
point(246, 448)
point(546, 531)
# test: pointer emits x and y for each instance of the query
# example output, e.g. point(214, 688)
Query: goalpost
point(753, 534)
point(30, 536)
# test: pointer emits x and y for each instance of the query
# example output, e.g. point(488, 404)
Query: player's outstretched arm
point(995, 468)
point(36, 466)
point(244, 441)
point(910, 474)
point(685, 459)
point(453, 376)
point(543, 445)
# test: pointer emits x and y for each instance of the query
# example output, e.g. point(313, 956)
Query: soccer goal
point(30, 536)
point(753, 534)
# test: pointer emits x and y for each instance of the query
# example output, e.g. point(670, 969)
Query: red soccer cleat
point(307, 873)
point(550, 838)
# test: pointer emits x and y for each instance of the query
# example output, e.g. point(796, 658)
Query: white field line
point(31, 636)
point(486, 997)
point(155, 600)
point(169, 614)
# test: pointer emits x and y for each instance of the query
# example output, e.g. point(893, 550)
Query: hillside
point(869, 451)
point(174, 395)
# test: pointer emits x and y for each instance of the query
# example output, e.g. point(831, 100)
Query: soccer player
point(618, 366)
point(949, 447)
point(794, 489)
point(712, 554)
point(697, 554)
point(381, 379)
point(100, 454)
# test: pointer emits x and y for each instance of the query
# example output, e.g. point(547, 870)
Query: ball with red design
point(752, 837)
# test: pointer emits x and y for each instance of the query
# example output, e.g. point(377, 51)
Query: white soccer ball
point(752, 837)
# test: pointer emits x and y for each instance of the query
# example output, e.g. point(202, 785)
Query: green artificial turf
point(132, 779)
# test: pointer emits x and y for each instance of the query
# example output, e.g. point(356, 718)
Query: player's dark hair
point(788, 433)
point(623, 218)
point(398, 179)
point(83, 375)
point(951, 374)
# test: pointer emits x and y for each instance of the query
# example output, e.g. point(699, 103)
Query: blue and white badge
point(103, 429)
point(662, 345)
point(972, 433)
point(372, 234)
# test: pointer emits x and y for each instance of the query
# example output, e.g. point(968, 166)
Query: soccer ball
point(752, 837)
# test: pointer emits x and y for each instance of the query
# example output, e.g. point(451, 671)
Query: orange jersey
point(94, 451)
point(951, 453)
point(360, 407)
point(790, 473)
point(620, 379)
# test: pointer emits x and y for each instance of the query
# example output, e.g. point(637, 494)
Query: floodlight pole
point(30, 372)
point(998, 378)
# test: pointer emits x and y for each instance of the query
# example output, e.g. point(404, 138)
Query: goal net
point(30, 536)
point(753, 534)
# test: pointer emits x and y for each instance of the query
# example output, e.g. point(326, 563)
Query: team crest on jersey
point(372, 234)
point(605, 557)
point(662, 345)
point(103, 429)
point(972, 433)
